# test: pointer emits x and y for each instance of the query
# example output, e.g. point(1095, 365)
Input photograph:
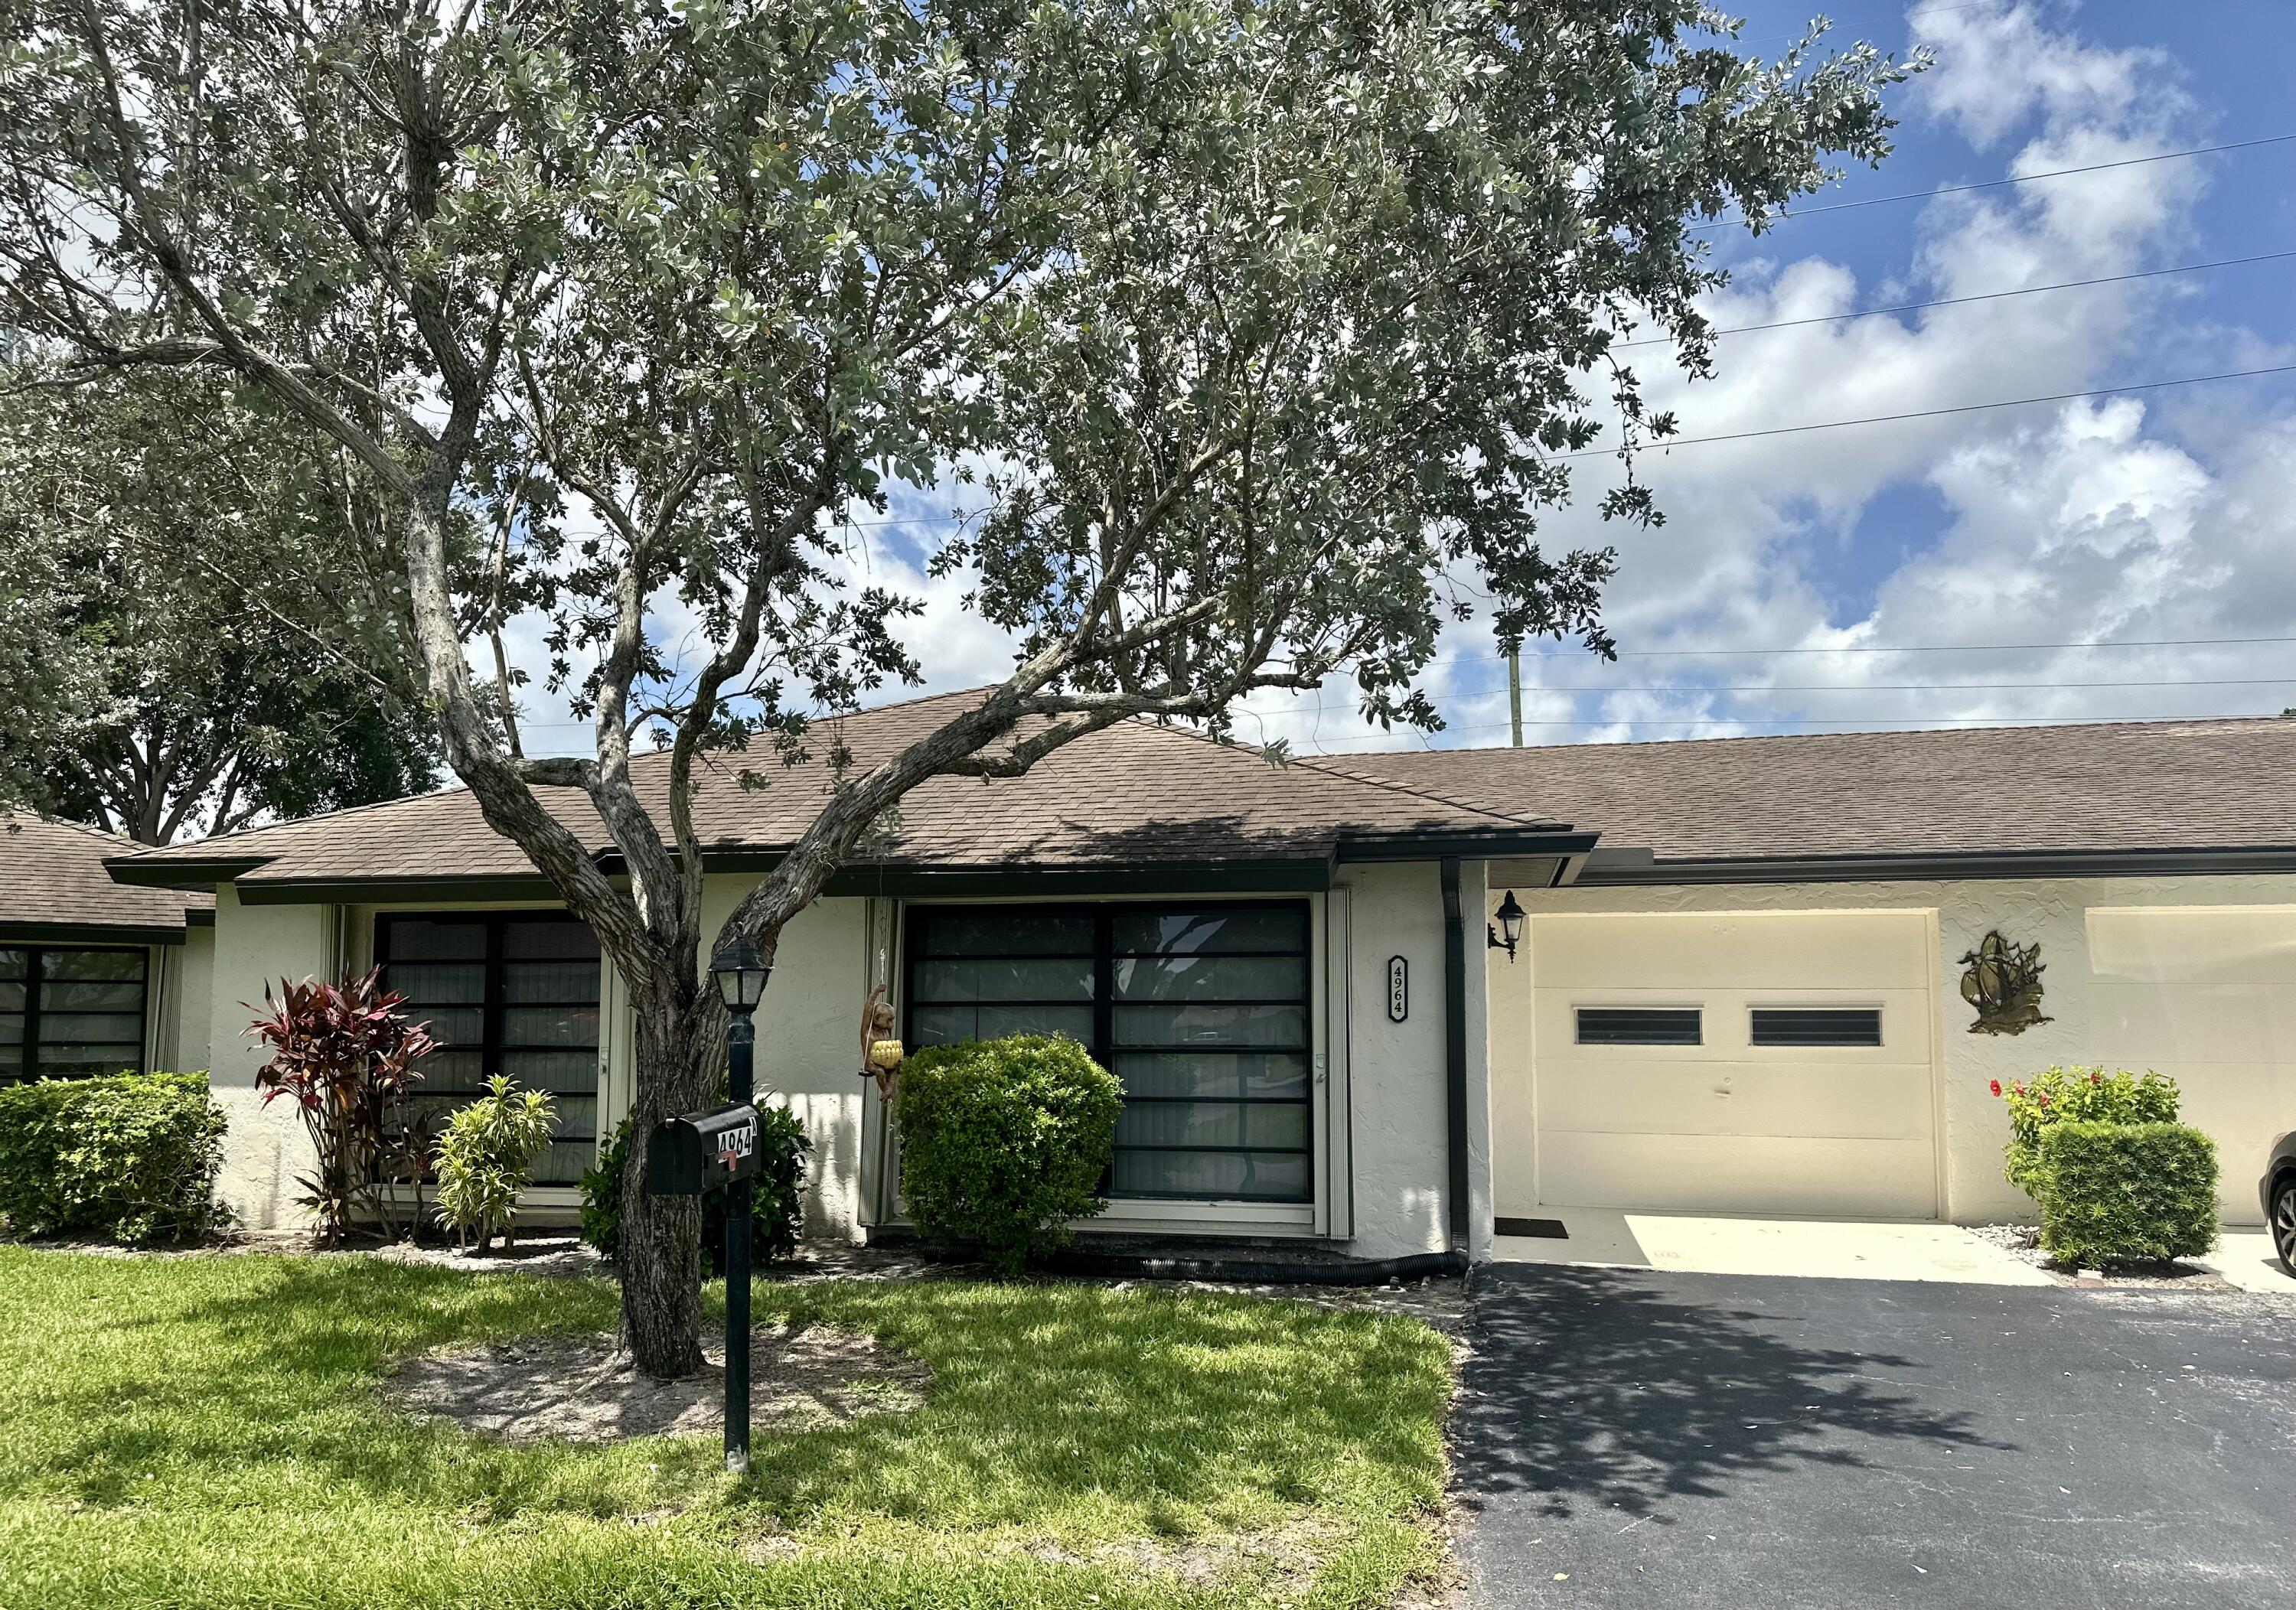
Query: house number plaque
point(1398, 989)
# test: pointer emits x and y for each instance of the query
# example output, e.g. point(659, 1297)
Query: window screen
point(1639, 1026)
point(504, 993)
point(1200, 1012)
point(1817, 1025)
point(69, 1014)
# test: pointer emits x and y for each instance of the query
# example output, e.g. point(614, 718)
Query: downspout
point(1455, 1043)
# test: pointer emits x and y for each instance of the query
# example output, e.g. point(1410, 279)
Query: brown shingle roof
point(51, 876)
point(1135, 793)
point(2129, 786)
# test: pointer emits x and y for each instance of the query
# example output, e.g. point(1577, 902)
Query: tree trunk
point(661, 1256)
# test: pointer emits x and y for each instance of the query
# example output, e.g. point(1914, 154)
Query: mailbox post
point(702, 1152)
point(741, 976)
point(740, 1046)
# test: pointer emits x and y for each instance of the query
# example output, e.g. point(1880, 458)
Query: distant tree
point(157, 540)
point(1262, 330)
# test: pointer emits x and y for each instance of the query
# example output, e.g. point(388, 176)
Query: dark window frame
point(492, 1002)
point(1103, 1047)
point(1782, 1032)
point(29, 1044)
point(1613, 1025)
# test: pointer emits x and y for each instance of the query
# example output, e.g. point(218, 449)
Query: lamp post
point(740, 974)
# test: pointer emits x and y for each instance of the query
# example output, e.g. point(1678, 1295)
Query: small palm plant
point(485, 1157)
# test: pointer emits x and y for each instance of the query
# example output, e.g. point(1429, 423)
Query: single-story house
point(1763, 976)
point(96, 977)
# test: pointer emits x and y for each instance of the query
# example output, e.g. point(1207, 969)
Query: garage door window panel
point(1815, 1025)
point(1640, 1026)
point(1200, 1011)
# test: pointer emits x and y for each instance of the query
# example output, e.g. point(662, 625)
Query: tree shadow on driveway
point(1589, 1387)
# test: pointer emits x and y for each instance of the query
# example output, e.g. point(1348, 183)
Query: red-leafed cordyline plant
point(345, 1054)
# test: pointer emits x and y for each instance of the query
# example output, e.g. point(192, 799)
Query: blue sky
point(1932, 572)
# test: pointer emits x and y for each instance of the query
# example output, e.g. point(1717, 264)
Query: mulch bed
point(579, 1389)
point(2023, 1241)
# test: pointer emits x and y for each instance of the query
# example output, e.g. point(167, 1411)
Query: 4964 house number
point(1398, 989)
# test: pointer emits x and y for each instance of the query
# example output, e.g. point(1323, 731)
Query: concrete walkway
point(1828, 1249)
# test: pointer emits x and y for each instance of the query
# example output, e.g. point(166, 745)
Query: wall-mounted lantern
point(1508, 934)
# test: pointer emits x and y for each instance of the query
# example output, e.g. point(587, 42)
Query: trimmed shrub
point(1004, 1142)
point(776, 1195)
point(2126, 1193)
point(2084, 1095)
point(485, 1157)
point(132, 1157)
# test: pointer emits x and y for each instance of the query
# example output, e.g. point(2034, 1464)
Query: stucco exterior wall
point(1399, 1118)
point(193, 1007)
point(808, 1041)
point(1385, 1133)
point(2092, 998)
point(264, 1148)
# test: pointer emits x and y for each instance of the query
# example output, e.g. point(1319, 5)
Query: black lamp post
point(1509, 932)
point(740, 973)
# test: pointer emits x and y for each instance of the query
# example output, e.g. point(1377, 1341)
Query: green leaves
point(486, 1156)
point(131, 1156)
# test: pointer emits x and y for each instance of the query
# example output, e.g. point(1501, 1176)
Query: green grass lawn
point(207, 1432)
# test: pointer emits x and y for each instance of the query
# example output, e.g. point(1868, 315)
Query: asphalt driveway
point(1633, 1437)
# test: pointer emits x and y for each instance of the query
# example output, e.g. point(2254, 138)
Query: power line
point(1746, 688)
point(1988, 296)
point(1954, 190)
point(1878, 722)
point(2123, 643)
point(1665, 442)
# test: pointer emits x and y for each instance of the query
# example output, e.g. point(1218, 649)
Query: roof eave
point(1620, 868)
point(1466, 844)
point(189, 873)
point(91, 933)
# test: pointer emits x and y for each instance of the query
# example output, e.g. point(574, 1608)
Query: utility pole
point(1514, 692)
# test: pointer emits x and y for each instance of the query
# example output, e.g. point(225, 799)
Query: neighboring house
point(94, 976)
point(1738, 987)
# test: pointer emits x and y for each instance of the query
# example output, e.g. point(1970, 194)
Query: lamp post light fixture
point(740, 974)
point(1510, 925)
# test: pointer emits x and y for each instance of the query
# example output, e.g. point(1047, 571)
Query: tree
point(1250, 325)
point(156, 533)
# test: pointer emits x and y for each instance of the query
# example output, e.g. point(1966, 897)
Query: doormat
point(1542, 1229)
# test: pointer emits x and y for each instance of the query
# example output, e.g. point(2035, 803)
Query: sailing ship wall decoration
point(2003, 983)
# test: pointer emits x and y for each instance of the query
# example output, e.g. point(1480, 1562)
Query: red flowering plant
point(2082, 1094)
point(345, 1054)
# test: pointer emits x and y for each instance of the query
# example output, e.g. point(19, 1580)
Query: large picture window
point(1201, 1011)
point(505, 993)
point(70, 1014)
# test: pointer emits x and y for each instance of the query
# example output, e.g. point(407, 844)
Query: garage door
point(1757, 1063)
point(2208, 996)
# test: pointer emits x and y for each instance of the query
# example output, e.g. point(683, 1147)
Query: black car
point(2279, 1185)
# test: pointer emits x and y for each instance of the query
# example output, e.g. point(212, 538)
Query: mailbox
point(702, 1151)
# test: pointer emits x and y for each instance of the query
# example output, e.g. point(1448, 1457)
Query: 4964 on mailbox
point(702, 1152)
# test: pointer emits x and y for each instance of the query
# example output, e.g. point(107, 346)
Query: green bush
point(132, 1157)
point(2084, 1095)
point(2126, 1193)
point(776, 1198)
point(486, 1156)
point(1004, 1142)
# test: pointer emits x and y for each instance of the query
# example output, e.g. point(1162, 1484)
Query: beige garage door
point(1744, 1063)
point(2208, 996)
